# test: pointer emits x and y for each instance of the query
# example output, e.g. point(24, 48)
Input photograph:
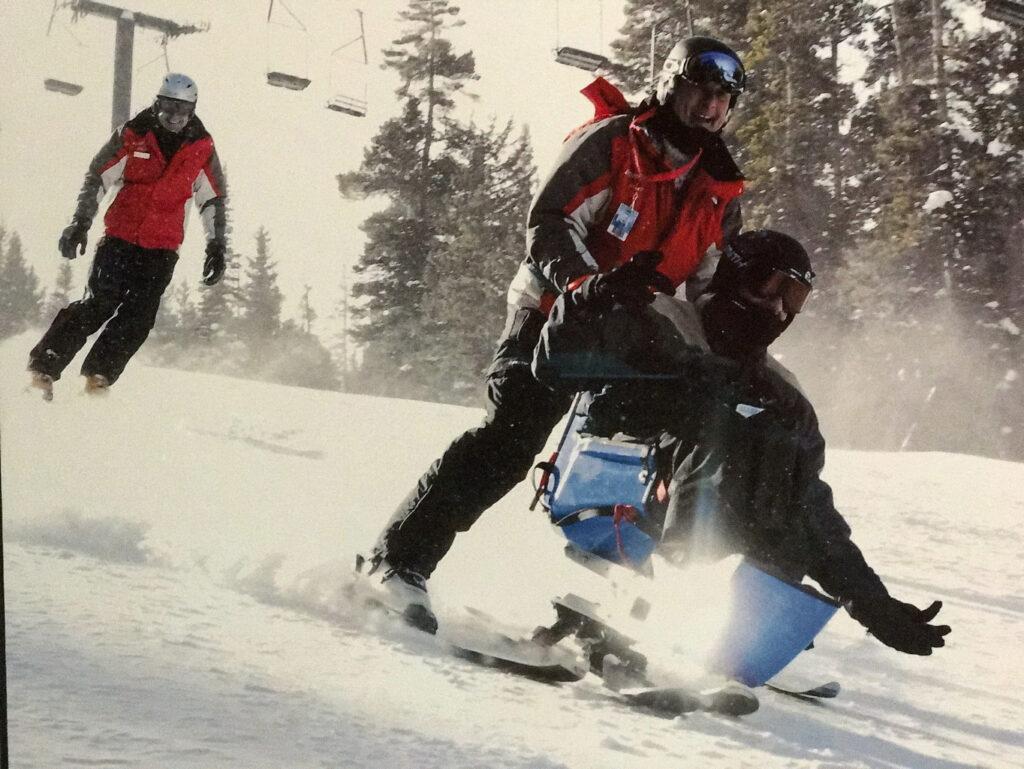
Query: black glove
point(73, 238)
point(899, 625)
point(213, 267)
point(632, 284)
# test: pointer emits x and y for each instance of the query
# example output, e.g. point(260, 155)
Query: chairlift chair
point(580, 57)
point(279, 78)
point(284, 80)
point(1008, 11)
point(577, 57)
point(347, 105)
point(341, 102)
point(62, 86)
point(55, 84)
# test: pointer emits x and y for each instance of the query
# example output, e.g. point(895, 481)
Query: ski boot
point(96, 384)
point(43, 382)
point(398, 590)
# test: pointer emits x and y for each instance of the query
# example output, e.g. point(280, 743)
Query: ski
point(825, 691)
point(731, 699)
point(482, 646)
point(538, 669)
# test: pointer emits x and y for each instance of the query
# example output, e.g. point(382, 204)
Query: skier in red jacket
point(156, 161)
point(652, 177)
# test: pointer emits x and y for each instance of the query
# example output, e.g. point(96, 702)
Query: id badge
point(623, 221)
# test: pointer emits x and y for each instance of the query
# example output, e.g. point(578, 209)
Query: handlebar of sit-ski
point(549, 467)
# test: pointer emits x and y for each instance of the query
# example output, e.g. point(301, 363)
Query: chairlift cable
point(161, 55)
point(557, 24)
point(362, 36)
point(290, 13)
point(53, 13)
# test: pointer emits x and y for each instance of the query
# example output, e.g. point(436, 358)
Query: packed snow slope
point(175, 553)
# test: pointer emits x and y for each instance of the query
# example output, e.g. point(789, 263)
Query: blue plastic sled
point(771, 622)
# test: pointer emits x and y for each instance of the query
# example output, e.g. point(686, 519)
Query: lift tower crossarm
point(164, 26)
point(124, 44)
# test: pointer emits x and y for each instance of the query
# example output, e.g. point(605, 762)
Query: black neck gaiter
point(738, 331)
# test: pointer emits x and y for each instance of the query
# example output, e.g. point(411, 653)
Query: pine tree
point(403, 166)
point(468, 277)
point(261, 299)
point(431, 72)
point(788, 117)
point(20, 296)
point(340, 346)
point(306, 311)
point(217, 303)
point(60, 297)
point(670, 21)
point(184, 311)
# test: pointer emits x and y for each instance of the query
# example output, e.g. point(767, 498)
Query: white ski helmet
point(180, 87)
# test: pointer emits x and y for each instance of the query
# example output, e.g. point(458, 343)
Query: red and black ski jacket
point(619, 188)
point(150, 205)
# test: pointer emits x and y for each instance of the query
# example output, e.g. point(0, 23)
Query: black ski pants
point(483, 464)
point(124, 289)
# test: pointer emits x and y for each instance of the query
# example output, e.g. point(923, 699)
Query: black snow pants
point(483, 464)
point(124, 289)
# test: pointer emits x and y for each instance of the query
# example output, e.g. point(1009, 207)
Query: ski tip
point(421, 618)
point(674, 701)
point(825, 691)
point(733, 700)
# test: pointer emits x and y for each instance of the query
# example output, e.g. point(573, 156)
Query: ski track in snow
point(175, 555)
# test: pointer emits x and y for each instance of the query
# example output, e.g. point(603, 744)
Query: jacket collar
point(146, 121)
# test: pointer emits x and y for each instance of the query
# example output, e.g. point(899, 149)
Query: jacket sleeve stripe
point(208, 193)
point(568, 203)
point(105, 171)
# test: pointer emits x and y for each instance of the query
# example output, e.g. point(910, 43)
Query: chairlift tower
point(124, 44)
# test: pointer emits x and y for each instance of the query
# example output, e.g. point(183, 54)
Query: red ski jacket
point(619, 188)
point(150, 207)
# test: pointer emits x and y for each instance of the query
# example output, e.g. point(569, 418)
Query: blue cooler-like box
point(591, 476)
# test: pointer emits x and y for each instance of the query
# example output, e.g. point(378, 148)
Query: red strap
point(622, 513)
point(577, 282)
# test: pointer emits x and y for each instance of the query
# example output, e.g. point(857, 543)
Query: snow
point(937, 199)
point(174, 554)
point(998, 148)
point(1009, 327)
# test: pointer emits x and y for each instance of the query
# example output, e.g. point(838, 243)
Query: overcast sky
point(282, 149)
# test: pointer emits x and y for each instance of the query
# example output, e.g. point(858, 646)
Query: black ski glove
point(74, 238)
point(213, 267)
point(632, 284)
point(899, 625)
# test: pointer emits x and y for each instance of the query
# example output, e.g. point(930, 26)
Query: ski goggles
point(789, 285)
point(716, 67)
point(174, 108)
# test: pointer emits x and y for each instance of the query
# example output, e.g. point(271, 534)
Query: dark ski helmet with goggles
point(702, 60)
point(762, 281)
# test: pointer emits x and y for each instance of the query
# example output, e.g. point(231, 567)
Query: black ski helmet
point(702, 60)
point(750, 259)
point(753, 264)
